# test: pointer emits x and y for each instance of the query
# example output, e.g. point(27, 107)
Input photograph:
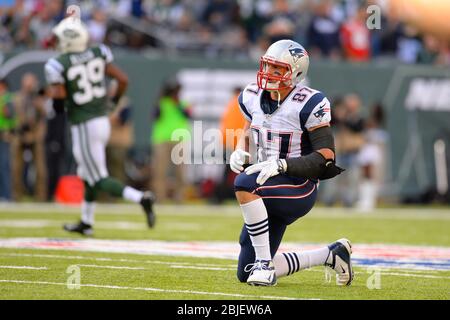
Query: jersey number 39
point(90, 80)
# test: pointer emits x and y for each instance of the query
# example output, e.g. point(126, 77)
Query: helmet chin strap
point(279, 98)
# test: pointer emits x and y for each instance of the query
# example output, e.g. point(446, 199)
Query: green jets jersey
point(83, 75)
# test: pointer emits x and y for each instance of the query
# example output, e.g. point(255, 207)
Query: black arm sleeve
point(58, 105)
point(314, 165)
point(322, 138)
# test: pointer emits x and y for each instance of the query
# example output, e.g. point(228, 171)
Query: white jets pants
point(89, 140)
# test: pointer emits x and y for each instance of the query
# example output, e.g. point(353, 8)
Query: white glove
point(267, 169)
point(237, 160)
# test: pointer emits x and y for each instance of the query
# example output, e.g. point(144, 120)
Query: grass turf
point(162, 277)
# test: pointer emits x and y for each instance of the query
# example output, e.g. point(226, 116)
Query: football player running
point(76, 78)
point(290, 126)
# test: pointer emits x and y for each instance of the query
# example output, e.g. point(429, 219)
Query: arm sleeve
point(314, 165)
point(322, 138)
point(54, 72)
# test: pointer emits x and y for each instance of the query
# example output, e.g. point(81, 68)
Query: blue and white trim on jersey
point(308, 108)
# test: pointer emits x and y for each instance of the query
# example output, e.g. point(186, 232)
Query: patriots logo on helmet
point(297, 53)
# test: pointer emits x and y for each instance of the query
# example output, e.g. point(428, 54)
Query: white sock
point(132, 194)
point(257, 224)
point(290, 262)
point(87, 212)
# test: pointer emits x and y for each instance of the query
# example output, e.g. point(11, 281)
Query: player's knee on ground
point(244, 182)
point(242, 275)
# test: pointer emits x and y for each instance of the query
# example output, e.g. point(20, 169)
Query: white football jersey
point(284, 133)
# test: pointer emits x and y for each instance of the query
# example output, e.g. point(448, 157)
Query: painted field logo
point(380, 256)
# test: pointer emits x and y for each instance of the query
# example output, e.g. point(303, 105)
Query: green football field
point(193, 255)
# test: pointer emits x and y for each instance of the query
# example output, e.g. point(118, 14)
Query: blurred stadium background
point(389, 88)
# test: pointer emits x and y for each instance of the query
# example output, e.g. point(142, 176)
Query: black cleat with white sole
point(81, 228)
point(147, 201)
point(339, 259)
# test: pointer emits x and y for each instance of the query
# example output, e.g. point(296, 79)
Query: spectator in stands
point(134, 8)
point(171, 114)
point(28, 144)
point(323, 31)
point(6, 32)
point(220, 14)
point(207, 27)
point(36, 27)
point(434, 51)
point(355, 37)
point(279, 29)
point(97, 26)
point(7, 124)
point(408, 45)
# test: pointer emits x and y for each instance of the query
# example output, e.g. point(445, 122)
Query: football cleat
point(81, 228)
point(339, 259)
point(262, 273)
point(147, 204)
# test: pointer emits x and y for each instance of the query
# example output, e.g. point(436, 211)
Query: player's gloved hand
point(267, 169)
point(237, 160)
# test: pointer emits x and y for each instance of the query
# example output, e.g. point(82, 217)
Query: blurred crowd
point(334, 29)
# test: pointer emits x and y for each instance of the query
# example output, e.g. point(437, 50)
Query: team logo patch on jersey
point(321, 112)
point(297, 53)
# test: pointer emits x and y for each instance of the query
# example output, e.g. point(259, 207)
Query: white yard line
point(205, 293)
point(110, 267)
point(55, 256)
point(105, 225)
point(23, 267)
point(28, 223)
point(201, 268)
point(413, 275)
